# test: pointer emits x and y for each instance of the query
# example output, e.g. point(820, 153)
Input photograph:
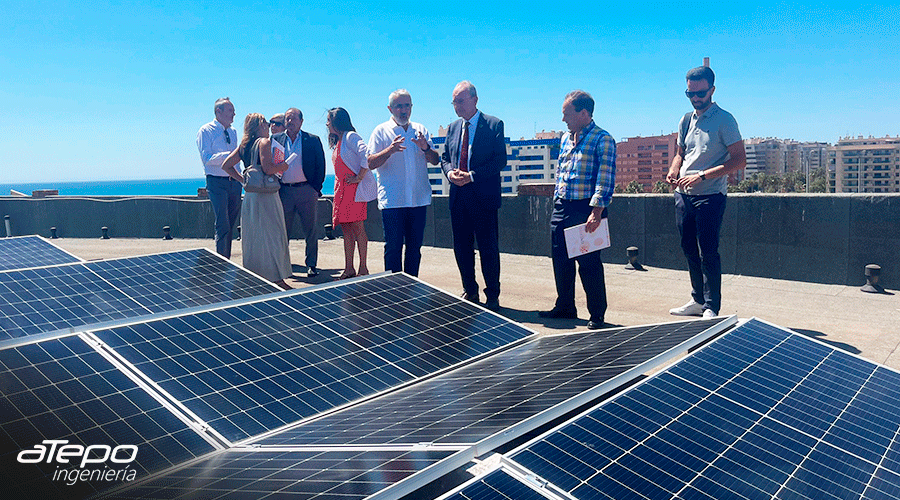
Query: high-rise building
point(644, 159)
point(867, 165)
point(527, 161)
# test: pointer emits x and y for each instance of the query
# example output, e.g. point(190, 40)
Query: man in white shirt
point(400, 151)
point(216, 140)
point(301, 183)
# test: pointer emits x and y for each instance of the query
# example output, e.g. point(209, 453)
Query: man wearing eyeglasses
point(709, 148)
point(400, 151)
point(216, 140)
point(276, 124)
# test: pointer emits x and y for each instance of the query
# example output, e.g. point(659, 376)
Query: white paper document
point(580, 242)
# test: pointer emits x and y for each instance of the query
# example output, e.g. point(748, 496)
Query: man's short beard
point(402, 123)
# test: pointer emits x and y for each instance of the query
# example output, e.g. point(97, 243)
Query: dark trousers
point(699, 219)
point(403, 226)
point(225, 198)
point(302, 200)
point(568, 213)
point(472, 222)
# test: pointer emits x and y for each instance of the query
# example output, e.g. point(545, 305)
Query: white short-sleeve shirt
point(403, 179)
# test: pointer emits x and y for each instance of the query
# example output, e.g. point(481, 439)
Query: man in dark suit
point(473, 156)
point(301, 183)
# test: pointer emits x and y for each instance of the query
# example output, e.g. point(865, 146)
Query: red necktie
point(464, 149)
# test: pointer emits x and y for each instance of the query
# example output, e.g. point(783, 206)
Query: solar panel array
point(63, 389)
point(52, 298)
point(467, 405)
point(256, 367)
point(22, 252)
point(183, 386)
point(759, 413)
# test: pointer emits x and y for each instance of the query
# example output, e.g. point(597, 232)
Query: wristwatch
point(702, 174)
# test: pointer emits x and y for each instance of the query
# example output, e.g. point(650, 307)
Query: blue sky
point(117, 90)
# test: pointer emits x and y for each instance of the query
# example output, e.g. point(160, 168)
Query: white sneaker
point(692, 308)
point(709, 313)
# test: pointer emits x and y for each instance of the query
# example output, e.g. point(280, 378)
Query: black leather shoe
point(492, 304)
point(597, 325)
point(558, 313)
point(471, 297)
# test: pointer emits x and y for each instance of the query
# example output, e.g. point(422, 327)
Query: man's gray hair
point(220, 103)
point(398, 94)
point(467, 85)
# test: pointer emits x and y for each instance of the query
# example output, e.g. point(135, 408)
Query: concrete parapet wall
point(823, 238)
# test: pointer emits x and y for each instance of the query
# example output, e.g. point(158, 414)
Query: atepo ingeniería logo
point(62, 453)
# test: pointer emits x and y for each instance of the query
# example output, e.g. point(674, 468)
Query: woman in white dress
point(264, 243)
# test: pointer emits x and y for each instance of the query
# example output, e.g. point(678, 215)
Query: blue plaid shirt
point(587, 169)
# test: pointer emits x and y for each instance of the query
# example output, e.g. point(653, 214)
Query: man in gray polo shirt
point(709, 148)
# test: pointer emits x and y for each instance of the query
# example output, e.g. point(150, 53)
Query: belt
point(294, 184)
point(230, 178)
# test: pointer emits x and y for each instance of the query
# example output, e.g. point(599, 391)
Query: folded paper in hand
point(277, 152)
point(580, 242)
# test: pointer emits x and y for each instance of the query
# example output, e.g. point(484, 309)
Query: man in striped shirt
point(585, 179)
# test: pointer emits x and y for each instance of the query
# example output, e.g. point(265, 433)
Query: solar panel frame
point(434, 400)
point(500, 482)
point(723, 441)
point(66, 389)
point(32, 251)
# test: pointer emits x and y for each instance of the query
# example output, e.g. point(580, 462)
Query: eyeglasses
point(700, 93)
point(272, 124)
point(227, 136)
point(402, 105)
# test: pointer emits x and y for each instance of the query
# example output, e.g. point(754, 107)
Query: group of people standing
point(393, 166)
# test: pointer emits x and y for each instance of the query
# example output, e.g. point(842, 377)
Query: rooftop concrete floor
point(861, 323)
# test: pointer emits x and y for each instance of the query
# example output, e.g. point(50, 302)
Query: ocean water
point(155, 187)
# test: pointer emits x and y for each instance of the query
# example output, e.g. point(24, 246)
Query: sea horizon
point(144, 187)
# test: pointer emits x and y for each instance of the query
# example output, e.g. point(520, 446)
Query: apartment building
point(645, 159)
point(866, 165)
point(527, 161)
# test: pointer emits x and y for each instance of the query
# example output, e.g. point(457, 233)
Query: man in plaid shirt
point(585, 179)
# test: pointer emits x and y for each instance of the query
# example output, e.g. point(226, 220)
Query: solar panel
point(481, 399)
point(23, 252)
point(180, 280)
point(255, 367)
point(758, 413)
point(64, 390)
point(52, 298)
point(300, 475)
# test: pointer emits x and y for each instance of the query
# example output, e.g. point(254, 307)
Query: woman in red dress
point(353, 188)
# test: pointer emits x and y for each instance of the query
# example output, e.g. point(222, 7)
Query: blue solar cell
point(496, 485)
point(65, 390)
point(759, 413)
point(31, 251)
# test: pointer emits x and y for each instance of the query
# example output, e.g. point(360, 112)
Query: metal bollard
point(167, 233)
point(873, 274)
point(8, 228)
point(53, 233)
point(105, 231)
point(633, 264)
point(238, 233)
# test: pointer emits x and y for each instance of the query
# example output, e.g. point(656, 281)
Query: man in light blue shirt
point(709, 148)
point(216, 140)
point(399, 153)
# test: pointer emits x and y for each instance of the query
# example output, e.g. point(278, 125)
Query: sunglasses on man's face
point(699, 93)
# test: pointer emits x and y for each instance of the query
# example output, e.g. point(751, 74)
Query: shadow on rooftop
point(821, 337)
